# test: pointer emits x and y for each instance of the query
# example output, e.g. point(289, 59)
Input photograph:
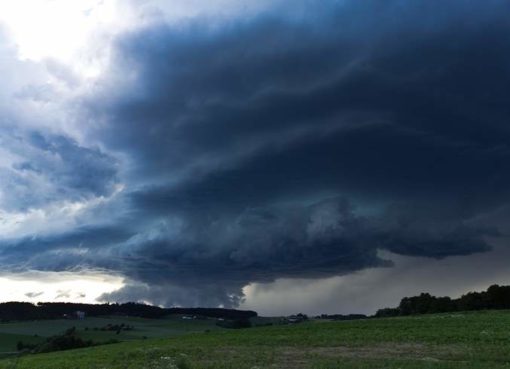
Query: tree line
point(56, 310)
point(67, 341)
point(495, 297)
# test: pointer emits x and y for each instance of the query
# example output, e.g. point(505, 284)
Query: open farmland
point(95, 329)
point(478, 340)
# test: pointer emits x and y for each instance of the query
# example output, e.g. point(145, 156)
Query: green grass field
point(461, 340)
point(36, 331)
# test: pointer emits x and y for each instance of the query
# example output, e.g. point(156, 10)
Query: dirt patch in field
point(299, 357)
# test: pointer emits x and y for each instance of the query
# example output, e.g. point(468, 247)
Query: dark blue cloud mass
point(291, 146)
point(50, 168)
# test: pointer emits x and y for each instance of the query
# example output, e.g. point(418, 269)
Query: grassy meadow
point(472, 340)
point(90, 329)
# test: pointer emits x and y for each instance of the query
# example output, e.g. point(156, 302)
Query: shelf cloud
point(214, 153)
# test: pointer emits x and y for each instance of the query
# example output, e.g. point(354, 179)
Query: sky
point(282, 156)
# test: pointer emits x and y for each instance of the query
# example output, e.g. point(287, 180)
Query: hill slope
point(461, 340)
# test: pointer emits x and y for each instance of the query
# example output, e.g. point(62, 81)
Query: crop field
point(478, 340)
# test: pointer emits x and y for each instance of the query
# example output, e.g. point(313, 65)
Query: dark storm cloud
point(63, 251)
point(203, 259)
point(299, 147)
point(405, 112)
point(86, 170)
point(51, 168)
point(358, 101)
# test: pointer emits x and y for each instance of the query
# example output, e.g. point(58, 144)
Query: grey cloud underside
point(200, 259)
point(280, 147)
point(33, 294)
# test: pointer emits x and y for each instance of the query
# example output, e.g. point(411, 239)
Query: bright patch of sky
point(51, 286)
point(60, 29)
point(78, 32)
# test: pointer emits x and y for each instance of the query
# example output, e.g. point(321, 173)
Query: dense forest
point(55, 310)
point(496, 297)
